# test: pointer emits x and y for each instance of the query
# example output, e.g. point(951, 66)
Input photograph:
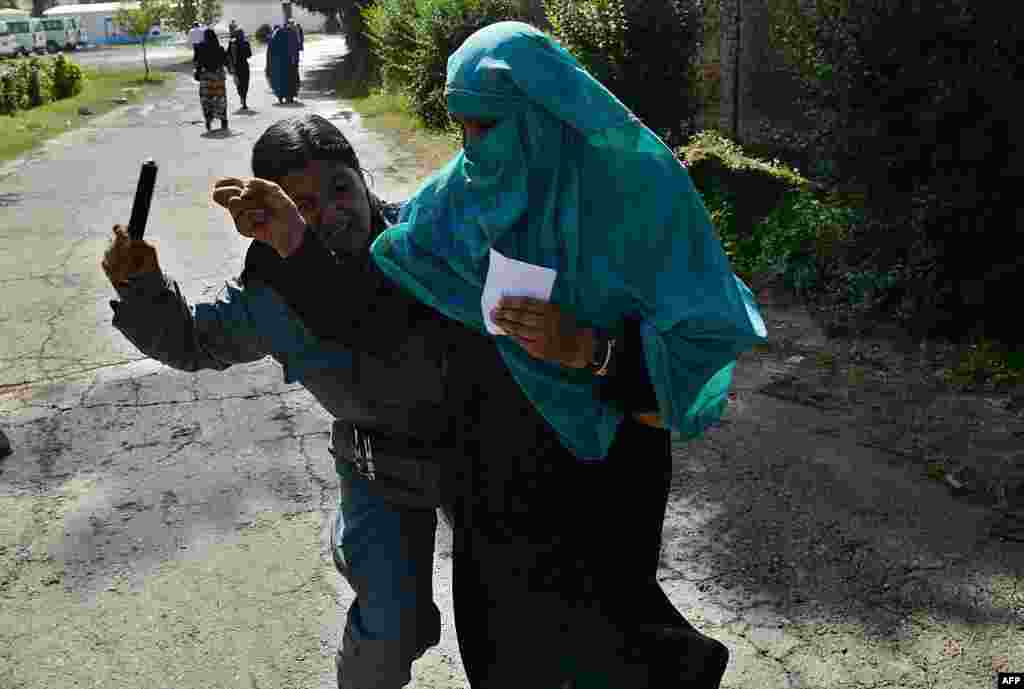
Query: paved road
point(164, 529)
point(128, 56)
point(132, 528)
point(58, 206)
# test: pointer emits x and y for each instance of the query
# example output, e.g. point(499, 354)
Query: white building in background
point(98, 18)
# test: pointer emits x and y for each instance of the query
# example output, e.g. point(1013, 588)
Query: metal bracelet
point(603, 371)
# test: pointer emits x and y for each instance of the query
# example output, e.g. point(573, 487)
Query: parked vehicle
point(62, 33)
point(8, 44)
point(8, 14)
point(28, 34)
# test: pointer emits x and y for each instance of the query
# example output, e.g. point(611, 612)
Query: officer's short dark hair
point(292, 144)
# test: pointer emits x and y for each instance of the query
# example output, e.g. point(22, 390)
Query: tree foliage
point(184, 13)
point(210, 12)
point(644, 51)
point(414, 38)
point(138, 21)
point(915, 104)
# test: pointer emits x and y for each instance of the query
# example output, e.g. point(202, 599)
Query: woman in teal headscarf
point(556, 172)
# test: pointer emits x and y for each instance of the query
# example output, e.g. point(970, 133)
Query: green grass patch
point(392, 114)
point(27, 129)
point(988, 364)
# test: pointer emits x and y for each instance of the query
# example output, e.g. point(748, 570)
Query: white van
point(62, 33)
point(28, 34)
point(8, 44)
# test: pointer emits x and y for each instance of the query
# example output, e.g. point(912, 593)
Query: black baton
point(143, 197)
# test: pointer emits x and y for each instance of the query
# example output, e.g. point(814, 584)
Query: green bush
point(725, 173)
point(412, 40)
point(915, 103)
point(646, 52)
point(30, 83)
point(441, 28)
point(390, 28)
point(68, 79)
point(774, 223)
point(13, 90)
point(40, 82)
point(988, 364)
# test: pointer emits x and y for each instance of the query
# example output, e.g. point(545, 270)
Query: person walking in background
point(302, 47)
point(195, 37)
point(282, 61)
point(239, 52)
point(210, 68)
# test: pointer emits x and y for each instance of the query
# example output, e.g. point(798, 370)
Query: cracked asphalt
point(168, 529)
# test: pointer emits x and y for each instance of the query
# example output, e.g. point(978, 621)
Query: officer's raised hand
point(262, 210)
point(126, 258)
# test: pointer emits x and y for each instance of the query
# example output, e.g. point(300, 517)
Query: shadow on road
point(180, 67)
point(766, 515)
point(325, 81)
point(221, 134)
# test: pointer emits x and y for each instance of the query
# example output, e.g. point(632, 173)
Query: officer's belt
point(395, 455)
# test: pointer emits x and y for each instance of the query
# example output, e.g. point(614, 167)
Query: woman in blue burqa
point(566, 415)
point(282, 57)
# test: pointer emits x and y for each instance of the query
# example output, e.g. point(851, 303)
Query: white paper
point(507, 277)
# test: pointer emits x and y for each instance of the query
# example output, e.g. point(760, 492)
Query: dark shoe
point(5, 445)
point(682, 657)
point(209, 125)
point(224, 123)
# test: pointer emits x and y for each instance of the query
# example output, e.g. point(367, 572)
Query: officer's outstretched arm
point(154, 315)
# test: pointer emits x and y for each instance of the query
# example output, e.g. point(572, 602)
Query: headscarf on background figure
point(280, 63)
point(570, 179)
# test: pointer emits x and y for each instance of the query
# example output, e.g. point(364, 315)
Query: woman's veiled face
point(332, 196)
point(473, 129)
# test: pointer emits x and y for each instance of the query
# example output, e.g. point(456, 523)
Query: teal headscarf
point(570, 179)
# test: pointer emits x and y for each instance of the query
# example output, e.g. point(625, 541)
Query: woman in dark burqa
point(566, 403)
point(239, 52)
